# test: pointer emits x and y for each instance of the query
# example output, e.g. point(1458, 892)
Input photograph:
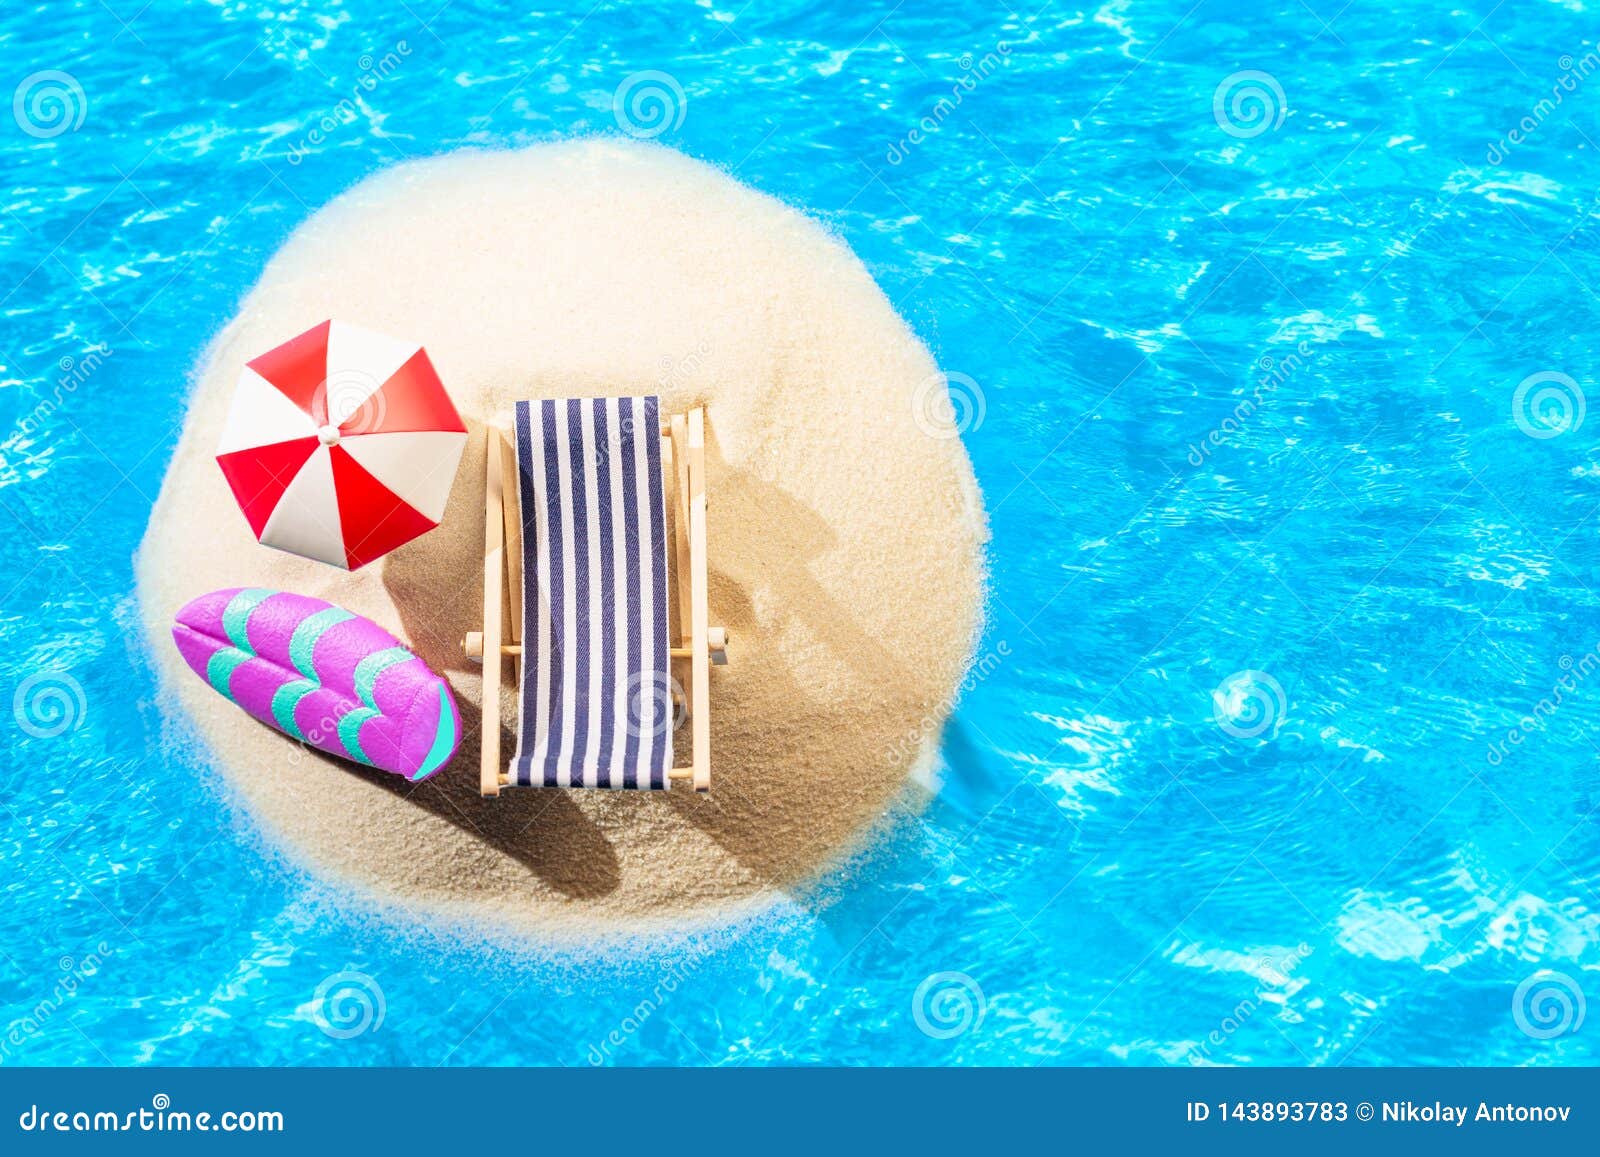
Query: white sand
point(845, 542)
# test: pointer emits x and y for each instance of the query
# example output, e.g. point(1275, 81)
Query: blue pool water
point(1282, 341)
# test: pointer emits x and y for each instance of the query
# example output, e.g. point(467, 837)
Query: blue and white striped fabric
point(596, 689)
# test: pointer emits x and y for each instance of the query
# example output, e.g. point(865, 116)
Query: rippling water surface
point(1271, 328)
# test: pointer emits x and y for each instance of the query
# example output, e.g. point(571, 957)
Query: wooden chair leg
point(699, 612)
point(679, 440)
point(511, 506)
point(493, 566)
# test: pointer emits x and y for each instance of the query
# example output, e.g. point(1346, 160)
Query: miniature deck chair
point(575, 526)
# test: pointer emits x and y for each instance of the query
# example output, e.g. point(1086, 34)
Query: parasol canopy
point(341, 444)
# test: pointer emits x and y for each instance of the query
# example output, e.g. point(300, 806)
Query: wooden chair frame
point(697, 642)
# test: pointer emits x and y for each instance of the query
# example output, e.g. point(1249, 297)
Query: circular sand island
point(845, 534)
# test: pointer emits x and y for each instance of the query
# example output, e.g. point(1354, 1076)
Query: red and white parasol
point(341, 445)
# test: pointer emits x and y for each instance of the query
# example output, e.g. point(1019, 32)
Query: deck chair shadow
point(575, 532)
